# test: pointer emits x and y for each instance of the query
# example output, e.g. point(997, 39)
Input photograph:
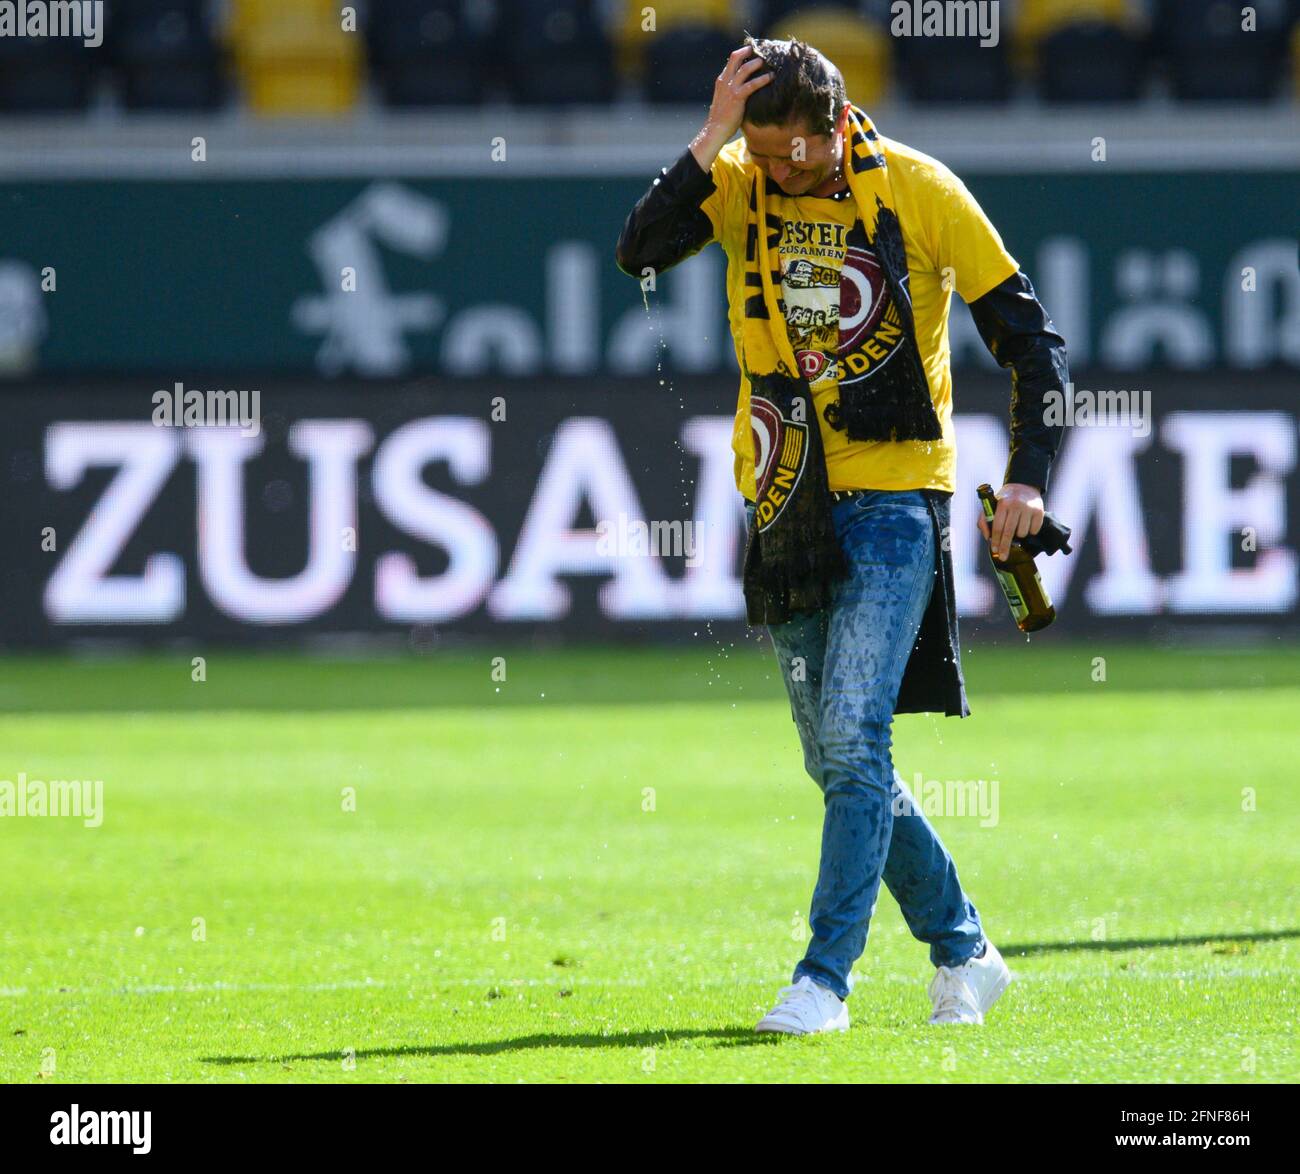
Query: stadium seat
point(682, 64)
point(567, 32)
point(1037, 19)
point(634, 40)
point(431, 52)
point(953, 69)
point(859, 47)
point(1091, 62)
point(166, 55)
point(1034, 22)
point(1211, 58)
point(1295, 60)
point(46, 75)
point(294, 56)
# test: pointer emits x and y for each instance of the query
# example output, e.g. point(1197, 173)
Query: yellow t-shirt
point(950, 245)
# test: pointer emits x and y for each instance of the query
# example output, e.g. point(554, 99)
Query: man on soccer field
point(842, 249)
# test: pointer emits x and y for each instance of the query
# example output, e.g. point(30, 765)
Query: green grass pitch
point(507, 901)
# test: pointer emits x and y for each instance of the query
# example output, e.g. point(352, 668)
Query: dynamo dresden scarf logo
point(780, 454)
point(870, 329)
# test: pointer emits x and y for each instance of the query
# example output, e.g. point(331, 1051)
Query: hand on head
point(741, 76)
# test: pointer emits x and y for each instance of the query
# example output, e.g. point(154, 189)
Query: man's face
point(796, 161)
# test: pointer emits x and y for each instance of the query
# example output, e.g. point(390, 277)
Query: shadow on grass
point(1025, 950)
point(731, 1037)
point(727, 1037)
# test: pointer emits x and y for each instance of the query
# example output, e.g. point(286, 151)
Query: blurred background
point(395, 222)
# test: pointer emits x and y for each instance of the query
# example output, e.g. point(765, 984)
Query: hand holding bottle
point(1019, 513)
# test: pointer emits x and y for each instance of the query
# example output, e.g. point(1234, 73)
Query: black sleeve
point(1020, 335)
point(667, 225)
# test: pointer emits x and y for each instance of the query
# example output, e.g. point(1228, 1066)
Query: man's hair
point(805, 87)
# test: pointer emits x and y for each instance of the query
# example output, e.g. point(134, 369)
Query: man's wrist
point(707, 145)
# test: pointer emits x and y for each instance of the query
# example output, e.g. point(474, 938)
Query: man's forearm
point(1019, 334)
point(706, 145)
point(667, 225)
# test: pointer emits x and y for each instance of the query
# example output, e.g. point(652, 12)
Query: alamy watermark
point(1115, 407)
point(125, 1127)
point(972, 798)
point(82, 20)
point(946, 18)
point(81, 799)
point(636, 538)
point(180, 407)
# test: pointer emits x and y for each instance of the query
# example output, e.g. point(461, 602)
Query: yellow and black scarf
point(793, 556)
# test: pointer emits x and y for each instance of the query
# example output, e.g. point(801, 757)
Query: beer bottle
point(1018, 577)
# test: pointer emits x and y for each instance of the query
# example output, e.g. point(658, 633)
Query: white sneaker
point(964, 994)
point(805, 1009)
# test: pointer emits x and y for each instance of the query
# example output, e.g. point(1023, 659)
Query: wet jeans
point(842, 668)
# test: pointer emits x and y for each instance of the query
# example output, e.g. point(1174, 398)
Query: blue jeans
point(842, 667)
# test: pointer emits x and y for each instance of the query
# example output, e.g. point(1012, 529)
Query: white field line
point(666, 981)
